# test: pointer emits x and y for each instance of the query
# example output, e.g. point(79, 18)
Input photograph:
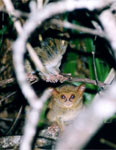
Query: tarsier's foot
point(51, 78)
point(54, 129)
point(55, 78)
point(31, 77)
point(61, 78)
point(65, 77)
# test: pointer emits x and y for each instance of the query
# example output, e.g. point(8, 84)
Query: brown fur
point(65, 104)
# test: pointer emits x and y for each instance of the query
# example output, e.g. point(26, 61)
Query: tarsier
point(50, 53)
point(66, 103)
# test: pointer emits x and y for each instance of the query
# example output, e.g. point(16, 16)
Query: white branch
point(33, 117)
point(80, 28)
point(109, 23)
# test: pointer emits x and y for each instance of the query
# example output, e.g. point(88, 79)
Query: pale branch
point(46, 2)
point(35, 58)
point(32, 119)
point(86, 80)
point(2, 100)
point(94, 66)
point(109, 24)
point(16, 13)
point(113, 9)
point(40, 4)
point(107, 142)
point(79, 28)
point(10, 9)
point(111, 76)
point(46, 137)
point(70, 79)
point(9, 141)
point(6, 81)
point(16, 120)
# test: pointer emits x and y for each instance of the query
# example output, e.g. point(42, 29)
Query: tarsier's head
point(68, 96)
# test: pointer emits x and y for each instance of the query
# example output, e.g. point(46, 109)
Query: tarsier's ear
point(81, 89)
point(54, 92)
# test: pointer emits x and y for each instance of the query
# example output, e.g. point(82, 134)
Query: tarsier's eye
point(63, 96)
point(72, 96)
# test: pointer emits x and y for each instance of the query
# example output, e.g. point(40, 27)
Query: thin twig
point(94, 67)
point(11, 94)
point(86, 80)
point(16, 120)
point(6, 81)
point(106, 142)
point(16, 13)
point(6, 97)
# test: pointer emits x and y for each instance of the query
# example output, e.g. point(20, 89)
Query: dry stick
point(9, 141)
point(15, 121)
point(4, 98)
point(83, 29)
point(111, 76)
point(94, 67)
point(16, 14)
point(106, 142)
point(40, 4)
point(6, 81)
point(11, 94)
point(36, 59)
point(6, 119)
point(110, 28)
point(46, 2)
point(86, 80)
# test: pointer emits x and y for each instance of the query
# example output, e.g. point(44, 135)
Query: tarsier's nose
point(68, 103)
